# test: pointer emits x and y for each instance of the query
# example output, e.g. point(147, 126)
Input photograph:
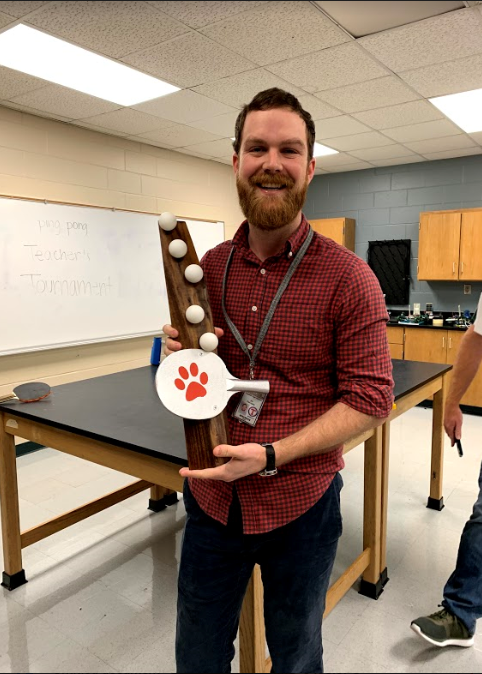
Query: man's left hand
point(245, 460)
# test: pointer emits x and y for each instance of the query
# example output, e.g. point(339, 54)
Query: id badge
point(249, 408)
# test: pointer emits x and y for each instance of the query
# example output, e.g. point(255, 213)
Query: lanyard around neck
point(269, 316)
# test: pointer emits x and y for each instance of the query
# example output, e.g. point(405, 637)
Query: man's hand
point(245, 460)
point(453, 422)
point(172, 345)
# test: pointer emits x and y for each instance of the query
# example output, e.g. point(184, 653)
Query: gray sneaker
point(443, 629)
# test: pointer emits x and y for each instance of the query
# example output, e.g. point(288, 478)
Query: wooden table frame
point(162, 477)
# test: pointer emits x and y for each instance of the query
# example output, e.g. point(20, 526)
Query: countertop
point(447, 326)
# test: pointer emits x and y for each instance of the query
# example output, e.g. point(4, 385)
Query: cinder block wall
point(386, 204)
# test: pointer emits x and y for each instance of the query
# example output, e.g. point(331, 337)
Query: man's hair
point(271, 99)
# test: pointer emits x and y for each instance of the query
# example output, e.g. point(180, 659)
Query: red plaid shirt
point(326, 343)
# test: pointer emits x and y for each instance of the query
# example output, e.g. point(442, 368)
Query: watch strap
point(270, 460)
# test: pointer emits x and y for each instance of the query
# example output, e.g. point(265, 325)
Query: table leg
point(161, 497)
point(252, 640)
point(13, 575)
point(435, 500)
point(371, 585)
point(384, 512)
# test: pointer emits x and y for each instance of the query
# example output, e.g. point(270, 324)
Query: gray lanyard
point(267, 321)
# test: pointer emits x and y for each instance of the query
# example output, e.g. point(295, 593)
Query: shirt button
point(250, 347)
point(254, 308)
point(263, 271)
point(290, 254)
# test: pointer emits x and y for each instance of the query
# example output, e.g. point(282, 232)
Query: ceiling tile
point(320, 172)
point(188, 61)
point(199, 14)
point(33, 111)
point(99, 129)
point(20, 9)
point(375, 93)
point(441, 144)
point(14, 83)
point(191, 153)
point(424, 131)
point(56, 99)
point(359, 141)
point(5, 20)
point(223, 125)
point(395, 161)
point(330, 160)
point(184, 107)
point(356, 166)
point(329, 68)
point(112, 28)
point(414, 112)
point(374, 16)
point(451, 77)
point(128, 121)
point(339, 126)
point(215, 148)
point(240, 89)
point(178, 136)
point(317, 109)
point(382, 152)
point(277, 31)
point(477, 137)
point(449, 154)
point(434, 40)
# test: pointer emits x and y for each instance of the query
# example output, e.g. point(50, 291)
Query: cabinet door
point(394, 334)
point(429, 346)
point(341, 230)
point(473, 395)
point(396, 351)
point(439, 243)
point(471, 247)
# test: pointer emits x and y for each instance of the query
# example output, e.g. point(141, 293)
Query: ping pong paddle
point(197, 385)
point(31, 392)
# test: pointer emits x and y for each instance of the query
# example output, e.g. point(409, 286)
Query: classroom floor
point(101, 595)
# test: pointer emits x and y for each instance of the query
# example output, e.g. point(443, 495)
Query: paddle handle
point(252, 386)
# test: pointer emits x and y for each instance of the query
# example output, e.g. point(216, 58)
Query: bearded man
point(305, 313)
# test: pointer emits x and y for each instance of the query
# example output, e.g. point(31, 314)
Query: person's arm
point(466, 365)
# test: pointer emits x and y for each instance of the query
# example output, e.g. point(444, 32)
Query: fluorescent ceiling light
point(464, 109)
point(36, 53)
point(320, 150)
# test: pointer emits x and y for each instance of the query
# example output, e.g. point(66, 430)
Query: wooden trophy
point(178, 253)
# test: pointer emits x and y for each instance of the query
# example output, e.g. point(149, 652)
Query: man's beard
point(270, 213)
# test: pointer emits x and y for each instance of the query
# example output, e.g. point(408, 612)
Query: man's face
point(272, 168)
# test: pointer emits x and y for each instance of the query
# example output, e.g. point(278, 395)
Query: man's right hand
point(172, 345)
point(453, 422)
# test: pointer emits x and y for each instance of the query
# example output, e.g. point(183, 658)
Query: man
point(326, 357)
point(455, 624)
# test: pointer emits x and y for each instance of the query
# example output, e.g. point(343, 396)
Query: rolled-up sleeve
point(364, 366)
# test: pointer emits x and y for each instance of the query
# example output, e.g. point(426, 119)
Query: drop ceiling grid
point(366, 95)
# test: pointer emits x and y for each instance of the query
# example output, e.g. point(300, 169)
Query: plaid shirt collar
point(290, 248)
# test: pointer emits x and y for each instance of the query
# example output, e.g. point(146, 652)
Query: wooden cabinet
point(450, 246)
point(441, 346)
point(473, 395)
point(395, 341)
point(341, 230)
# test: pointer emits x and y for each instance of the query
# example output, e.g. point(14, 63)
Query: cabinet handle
point(453, 267)
point(443, 342)
point(462, 268)
point(450, 342)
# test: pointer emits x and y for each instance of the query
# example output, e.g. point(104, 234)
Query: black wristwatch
point(270, 460)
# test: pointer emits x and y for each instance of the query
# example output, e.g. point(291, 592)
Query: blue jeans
point(216, 564)
point(463, 591)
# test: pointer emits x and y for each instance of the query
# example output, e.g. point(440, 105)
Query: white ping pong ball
point(177, 248)
point(167, 221)
point(193, 273)
point(195, 314)
point(208, 341)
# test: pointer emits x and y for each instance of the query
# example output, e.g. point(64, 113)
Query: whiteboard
point(74, 275)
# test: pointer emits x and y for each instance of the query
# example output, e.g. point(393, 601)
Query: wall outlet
point(467, 290)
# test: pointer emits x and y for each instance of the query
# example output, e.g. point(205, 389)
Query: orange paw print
point(194, 389)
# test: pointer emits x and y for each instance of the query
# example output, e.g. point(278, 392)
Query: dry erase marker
point(459, 447)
